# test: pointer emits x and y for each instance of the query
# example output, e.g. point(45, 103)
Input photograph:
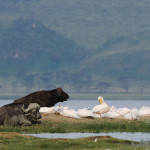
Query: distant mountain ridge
point(81, 45)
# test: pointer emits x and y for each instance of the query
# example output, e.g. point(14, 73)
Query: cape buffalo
point(44, 98)
point(19, 114)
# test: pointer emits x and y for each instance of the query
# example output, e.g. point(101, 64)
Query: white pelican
point(47, 110)
point(101, 108)
point(123, 111)
point(144, 111)
point(134, 111)
point(131, 116)
point(58, 109)
point(112, 113)
point(85, 113)
point(69, 113)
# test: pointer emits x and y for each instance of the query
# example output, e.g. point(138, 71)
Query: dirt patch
point(12, 134)
point(147, 117)
point(55, 118)
point(59, 118)
point(60, 139)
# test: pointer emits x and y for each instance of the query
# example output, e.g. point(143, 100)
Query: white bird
point(113, 108)
point(47, 110)
point(113, 115)
point(69, 113)
point(134, 110)
point(123, 111)
point(101, 108)
point(58, 109)
point(144, 111)
point(85, 113)
point(131, 116)
point(95, 140)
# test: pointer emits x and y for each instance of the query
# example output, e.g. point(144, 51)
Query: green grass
point(59, 124)
point(84, 125)
point(17, 143)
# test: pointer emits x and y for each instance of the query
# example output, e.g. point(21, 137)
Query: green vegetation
point(58, 124)
point(12, 138)
point(17, 143)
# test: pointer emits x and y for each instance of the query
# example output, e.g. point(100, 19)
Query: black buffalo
point(44, 98)
point(19, 114)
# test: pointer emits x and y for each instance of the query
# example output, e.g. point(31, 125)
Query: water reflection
point(137, 137)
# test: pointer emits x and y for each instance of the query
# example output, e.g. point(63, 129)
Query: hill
point(27, 43)
point(84, 46)
point(88, 23)
point(30, 51)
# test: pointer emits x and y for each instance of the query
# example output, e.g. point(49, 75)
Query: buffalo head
point(59, 94)
point(32, 111)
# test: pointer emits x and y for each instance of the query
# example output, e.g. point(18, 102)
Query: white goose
point(101, 108)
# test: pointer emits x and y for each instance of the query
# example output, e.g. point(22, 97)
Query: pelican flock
point(102, 110)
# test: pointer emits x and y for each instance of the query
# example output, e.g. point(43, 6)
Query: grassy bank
point(32, 143)
point(12, 138)
point(58, 124)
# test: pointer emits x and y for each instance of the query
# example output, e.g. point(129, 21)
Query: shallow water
point(79, 104)
point(137, 137)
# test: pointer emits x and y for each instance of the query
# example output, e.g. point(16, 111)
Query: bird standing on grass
point(101, 108)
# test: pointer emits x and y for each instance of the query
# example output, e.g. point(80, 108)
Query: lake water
point(137, 137)
point(79, 104)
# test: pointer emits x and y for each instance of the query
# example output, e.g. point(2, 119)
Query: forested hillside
point(83, 46)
